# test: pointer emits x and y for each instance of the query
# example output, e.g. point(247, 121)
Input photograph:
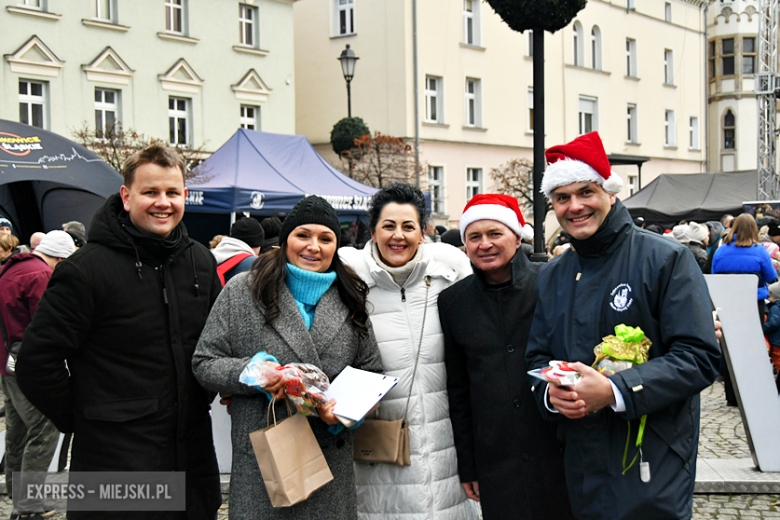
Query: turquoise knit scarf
point(307, 287)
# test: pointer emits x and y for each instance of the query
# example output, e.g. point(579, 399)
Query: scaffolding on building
point(767, 88)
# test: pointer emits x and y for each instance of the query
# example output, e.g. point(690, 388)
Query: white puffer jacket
point(429, 489)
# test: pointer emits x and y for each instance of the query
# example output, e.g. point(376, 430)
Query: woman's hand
point(275, 387)
point(224, 399)
point(326, 412)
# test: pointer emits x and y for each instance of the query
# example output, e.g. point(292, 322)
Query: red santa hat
point(492, 206)
point(582, 160)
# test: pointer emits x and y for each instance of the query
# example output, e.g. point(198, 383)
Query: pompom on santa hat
point(582, 160)
point(492, 206)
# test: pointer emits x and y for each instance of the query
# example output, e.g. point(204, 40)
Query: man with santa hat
point(618, 274)
point(508, 456)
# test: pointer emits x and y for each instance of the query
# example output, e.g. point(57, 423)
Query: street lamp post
point(348, 61)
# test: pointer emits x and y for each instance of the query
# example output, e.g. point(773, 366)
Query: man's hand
point(471, 489)
point(591, 394)
point(718, 328)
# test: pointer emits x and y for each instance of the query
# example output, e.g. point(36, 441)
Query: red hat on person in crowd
point(582, 160)
point(492, 206)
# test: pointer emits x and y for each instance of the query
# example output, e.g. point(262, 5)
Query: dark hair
point(745, 229)
point(400, 193)
point(158, 154)
point(270, 270)
point(271, 226)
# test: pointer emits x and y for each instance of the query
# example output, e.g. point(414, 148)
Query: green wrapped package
point(628, 347)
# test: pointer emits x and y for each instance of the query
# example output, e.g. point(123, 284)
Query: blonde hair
point(8, 242)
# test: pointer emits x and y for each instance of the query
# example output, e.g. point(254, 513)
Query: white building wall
point(209, 49)
point(383, 88)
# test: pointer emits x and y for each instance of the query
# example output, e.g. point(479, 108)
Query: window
point(632, 184)
point(668, 11)
point(345, 17)
point(588, 114)
point(250, 117)
point(178, 118)
point(577, 43)
point(530, 109)
point(433, 100)
point(471, 22)
point(693, 133)
point(595, 48)
point(104, 10)
point(669, 137)
point(712, 59)
point(473, 182)
point(631, 71)
point(530, 43)
point(748, 55)
point(35, 4)
point(630, 5)
point(106, 111)
point(668, 67)
point(247, 25)
point(32, 103)
point(436, 189)
point(631, 124)
point(728, 56)
point(729, 129)
point(174, 16)
point(473, 102)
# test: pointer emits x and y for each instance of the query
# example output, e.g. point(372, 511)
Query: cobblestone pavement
point(721, 436)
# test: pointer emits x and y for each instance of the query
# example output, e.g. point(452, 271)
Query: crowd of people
point(139, 329)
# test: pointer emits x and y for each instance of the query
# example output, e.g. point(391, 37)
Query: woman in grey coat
point(298, 304)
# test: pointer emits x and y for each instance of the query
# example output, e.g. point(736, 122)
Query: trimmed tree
point(344, 133)
point(548, 15)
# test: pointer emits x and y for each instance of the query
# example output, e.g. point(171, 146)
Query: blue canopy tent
point(46, 179)
point(266, 174)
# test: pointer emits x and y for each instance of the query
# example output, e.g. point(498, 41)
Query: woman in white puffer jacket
point(397, 267)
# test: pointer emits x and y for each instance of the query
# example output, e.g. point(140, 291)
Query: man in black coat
point(125, 313)
point(508, 457)
point(615, 274)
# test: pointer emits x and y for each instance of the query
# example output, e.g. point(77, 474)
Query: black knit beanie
point(311, 210)
point(249, 231)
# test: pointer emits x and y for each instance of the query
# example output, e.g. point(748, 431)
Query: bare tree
point(116, 144)
point(379, 160)
point(515, 178)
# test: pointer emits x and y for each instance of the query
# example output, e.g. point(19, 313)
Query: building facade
point(732, 65)
point(634, 72)
point(187, 71)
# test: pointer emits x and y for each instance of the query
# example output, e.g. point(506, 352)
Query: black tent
point(699, 197)
point(46, 179)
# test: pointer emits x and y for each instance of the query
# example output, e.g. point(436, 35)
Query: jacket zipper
point(164, 287)
point(403, 294)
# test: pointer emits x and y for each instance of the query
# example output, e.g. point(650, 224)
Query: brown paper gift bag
point(290, 459)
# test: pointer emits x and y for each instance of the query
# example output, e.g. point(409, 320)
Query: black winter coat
point(623, 274)
point(501, 440)
point(125, 314)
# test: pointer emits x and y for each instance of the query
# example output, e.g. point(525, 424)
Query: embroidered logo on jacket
point(621, 297)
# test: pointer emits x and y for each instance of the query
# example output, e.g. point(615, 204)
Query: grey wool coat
point(234, 332)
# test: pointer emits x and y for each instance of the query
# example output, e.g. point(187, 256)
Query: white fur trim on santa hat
point(495, 212)
point(569, 171)
point(528, 233)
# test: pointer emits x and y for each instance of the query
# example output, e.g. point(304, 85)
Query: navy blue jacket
point(623, 274)
point(772, 325)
